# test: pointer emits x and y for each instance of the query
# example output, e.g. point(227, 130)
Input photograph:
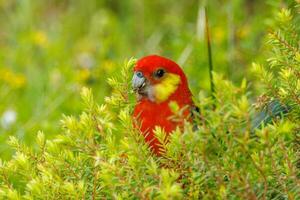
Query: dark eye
point(159, 73)
point(139, 74)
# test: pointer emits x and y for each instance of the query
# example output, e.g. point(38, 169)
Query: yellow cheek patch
point(166, 87)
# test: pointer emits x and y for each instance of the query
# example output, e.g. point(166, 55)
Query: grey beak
point(138, 81)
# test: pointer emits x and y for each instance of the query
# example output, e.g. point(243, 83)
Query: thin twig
point(210, 63)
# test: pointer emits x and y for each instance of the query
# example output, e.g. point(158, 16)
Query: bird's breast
point(149, 115)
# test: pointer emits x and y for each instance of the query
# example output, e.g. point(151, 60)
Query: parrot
point(159, 81)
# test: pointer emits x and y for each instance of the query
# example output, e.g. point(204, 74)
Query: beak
point(138, 81)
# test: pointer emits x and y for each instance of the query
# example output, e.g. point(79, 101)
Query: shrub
point(99, 154)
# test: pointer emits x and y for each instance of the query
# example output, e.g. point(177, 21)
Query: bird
point(159, 81)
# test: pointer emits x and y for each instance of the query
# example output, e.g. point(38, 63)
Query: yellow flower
point(19, 81)
point(219, 34)
point(14, 80)
point(83, 75)
point(108, 66)
point(40, 38)
point(243, 32)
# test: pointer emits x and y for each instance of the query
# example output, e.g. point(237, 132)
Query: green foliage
point(50, 49)
point(99, 154)
point(281, 77)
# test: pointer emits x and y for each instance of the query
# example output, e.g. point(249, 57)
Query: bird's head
point(156, 78)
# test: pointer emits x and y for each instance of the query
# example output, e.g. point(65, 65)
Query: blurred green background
point(50, 49)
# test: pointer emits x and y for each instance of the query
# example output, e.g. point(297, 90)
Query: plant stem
point(210, 63)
